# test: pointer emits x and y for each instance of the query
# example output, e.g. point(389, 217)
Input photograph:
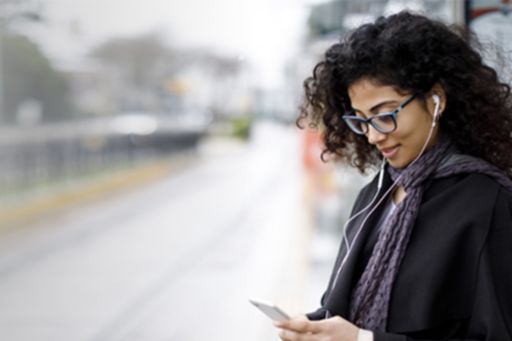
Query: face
point(414, 121)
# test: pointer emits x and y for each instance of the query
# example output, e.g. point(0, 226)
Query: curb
point(31, 210)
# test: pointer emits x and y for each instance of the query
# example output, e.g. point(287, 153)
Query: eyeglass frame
point(369, 121)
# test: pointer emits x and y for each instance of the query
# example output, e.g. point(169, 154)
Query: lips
point(389, 152)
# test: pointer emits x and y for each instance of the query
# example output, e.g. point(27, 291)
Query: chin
point(398, 164)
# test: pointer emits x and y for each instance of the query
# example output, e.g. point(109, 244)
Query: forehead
point(365, 93)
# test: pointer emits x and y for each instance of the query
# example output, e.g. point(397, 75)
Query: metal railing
point(31, 156)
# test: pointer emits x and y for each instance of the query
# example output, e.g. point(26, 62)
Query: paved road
point(175, 260)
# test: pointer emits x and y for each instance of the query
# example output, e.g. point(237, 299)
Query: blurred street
point(175, 260)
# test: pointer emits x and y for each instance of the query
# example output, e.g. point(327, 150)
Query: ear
point(437, 90)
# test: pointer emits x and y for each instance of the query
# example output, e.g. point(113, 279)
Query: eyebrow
point(377, 106)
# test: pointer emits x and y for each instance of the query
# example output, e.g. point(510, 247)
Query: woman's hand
point(332, 329)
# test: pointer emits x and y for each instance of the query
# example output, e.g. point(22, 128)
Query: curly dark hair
point(412, 53)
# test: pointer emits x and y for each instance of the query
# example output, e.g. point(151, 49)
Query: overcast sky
point(264, 32)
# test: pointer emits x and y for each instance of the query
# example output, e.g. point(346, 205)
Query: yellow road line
point(33, 209)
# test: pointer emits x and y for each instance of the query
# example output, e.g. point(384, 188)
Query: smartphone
point(270, 310)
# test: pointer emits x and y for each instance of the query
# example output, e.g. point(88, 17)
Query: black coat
point(455, 280)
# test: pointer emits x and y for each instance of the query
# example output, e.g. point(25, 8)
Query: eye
point(356, 124)
point(385, 117)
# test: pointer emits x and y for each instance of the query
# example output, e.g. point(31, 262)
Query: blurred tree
point(27, 79)
point(148, 75)
point(29, 76)
point(139, 66)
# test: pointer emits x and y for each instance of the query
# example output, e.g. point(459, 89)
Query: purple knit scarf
point(370, 298)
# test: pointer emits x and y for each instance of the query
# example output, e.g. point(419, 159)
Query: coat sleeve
point(491, 316)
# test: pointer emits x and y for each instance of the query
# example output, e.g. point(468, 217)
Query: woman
point(426, 253)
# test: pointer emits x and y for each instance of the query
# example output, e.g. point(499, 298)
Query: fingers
point(290, 335)
point(299, 326)
point(334, 328)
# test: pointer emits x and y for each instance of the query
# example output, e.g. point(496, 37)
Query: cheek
point(415, 130)
point(405, 134)
point(416, 139)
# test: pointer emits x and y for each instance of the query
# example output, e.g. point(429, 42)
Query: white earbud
point(436, 99)
point(437, 102)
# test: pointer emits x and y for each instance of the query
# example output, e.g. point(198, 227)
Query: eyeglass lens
point(384, 123)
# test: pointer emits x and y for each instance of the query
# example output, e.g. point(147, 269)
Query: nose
point(374, 136)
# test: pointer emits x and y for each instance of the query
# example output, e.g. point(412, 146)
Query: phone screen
point(271, 310)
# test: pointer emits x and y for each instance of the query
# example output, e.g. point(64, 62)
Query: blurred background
point(152, 178)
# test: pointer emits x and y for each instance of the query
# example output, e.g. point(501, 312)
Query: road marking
point(32, 210)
